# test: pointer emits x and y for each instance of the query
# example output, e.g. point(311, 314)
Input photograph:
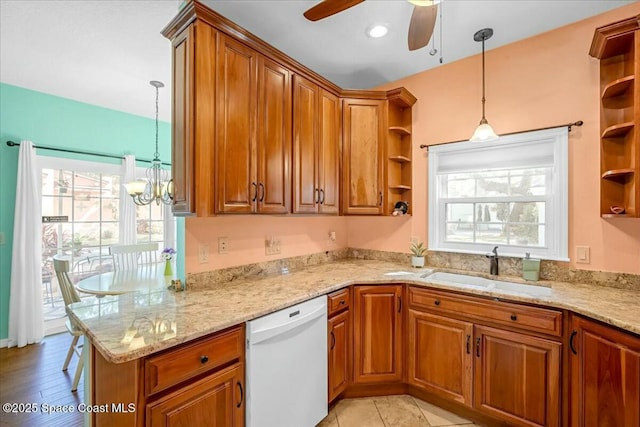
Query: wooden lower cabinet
point(517, 377)
point(215, 401)
point(377, 338)
point(439, 355)
point(605, 375)
point(339, 354)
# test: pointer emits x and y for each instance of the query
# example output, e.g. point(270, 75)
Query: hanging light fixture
point(484, 131)
point(157, 186)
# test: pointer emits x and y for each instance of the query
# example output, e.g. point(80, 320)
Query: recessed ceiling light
point(377, 31)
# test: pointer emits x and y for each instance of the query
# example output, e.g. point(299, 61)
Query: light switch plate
point(582, 255)
point(1, 237)
point(203, 254)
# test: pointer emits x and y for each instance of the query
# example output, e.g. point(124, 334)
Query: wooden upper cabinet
point(274, 138)
point(377, 337)
point(517, 377)
point(316, 148)
point(253, 124)
point(605, 375)
point(193, 117)
point(363, 139)
point(236, 105)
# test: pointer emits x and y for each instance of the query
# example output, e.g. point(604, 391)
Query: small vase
point(168, 271)
point(417, 261)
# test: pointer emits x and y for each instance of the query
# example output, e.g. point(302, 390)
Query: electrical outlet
point(582, 255)
point(271, 246)
point(332, 236)
point(223, 245)
point(203, 254)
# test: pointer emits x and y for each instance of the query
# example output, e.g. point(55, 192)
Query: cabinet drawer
point(173, 367)
point(546, 321)
point(338, 301)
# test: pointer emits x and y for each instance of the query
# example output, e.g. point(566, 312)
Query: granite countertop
point(165, 318)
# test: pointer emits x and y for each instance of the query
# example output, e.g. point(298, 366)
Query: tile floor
point(390, 411)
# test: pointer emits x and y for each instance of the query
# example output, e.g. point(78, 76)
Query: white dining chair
point(70, 295)
point(129, 257)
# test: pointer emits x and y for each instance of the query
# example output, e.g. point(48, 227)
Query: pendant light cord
point(483, 98)
point(157, 154)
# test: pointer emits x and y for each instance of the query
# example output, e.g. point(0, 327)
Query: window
point(510, 193)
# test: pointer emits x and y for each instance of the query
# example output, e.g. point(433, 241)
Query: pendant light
point(484, 131)
point(156, 187)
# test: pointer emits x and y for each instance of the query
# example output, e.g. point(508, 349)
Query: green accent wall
point(59, 122)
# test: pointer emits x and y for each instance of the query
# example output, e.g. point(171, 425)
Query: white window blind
point(510, 193)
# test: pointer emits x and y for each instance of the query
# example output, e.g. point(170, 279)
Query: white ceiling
point(104, 52)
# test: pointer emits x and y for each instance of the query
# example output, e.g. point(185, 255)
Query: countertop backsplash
point(510, 267)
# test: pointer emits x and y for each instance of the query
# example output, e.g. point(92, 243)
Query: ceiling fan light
point(422, 3)
point(484, 132)
point(378, 30)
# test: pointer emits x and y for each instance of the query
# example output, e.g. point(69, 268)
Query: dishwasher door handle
point(264, 334)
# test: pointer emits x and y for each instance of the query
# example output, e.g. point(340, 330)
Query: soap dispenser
point(530, 268)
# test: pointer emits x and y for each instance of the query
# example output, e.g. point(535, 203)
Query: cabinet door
point(329, 153)
point(440, 356)
point(236, 111)
point(306, 193)
point(517, 377)
point(339, 354)
point(194, 53)
point(605, 376)
point(274, 138)
point(377, 336)
point(363, 138)
point(216, 401)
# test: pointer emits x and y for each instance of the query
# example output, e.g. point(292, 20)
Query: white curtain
point(26, 317)
point(127, 207)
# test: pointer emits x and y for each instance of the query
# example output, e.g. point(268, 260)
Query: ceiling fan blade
point(423, 20)
point(327, 8)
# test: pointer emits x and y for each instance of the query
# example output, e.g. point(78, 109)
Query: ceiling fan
point(423, 18)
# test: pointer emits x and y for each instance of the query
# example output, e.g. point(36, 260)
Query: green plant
point(417, 248)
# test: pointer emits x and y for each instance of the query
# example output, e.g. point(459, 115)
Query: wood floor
point(33, 375)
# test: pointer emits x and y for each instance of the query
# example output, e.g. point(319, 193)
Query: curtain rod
point(88, 153)
point(569, 125)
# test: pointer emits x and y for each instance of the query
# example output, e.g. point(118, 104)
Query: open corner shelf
point(400, 130)
point(400, 159)
point(617, 46)
point(616, 130)
point(618, 87)
point(400, 187)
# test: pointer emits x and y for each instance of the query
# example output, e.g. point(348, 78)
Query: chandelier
point(157, 186)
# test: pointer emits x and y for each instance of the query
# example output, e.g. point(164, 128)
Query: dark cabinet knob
point(437, 302)
point(204, 359)
point(342, 302)
point(514, 317)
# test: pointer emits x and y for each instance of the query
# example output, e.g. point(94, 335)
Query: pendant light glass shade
point(484, 131)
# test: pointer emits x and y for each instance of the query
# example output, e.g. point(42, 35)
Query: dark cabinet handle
point(437, 302)
point(399, 304)
point(239, 404)
point(321, 196)
point(317, 193)
point(204, 359)
point(573, 335)
point(514, 317)
point(478, 347)
point(468, 344)
point(255, 189)
point(333, 341)
point(381, 198)
point(342, 302)
point(262, 194)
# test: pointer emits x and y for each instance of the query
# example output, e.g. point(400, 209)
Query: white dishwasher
point(287, 366)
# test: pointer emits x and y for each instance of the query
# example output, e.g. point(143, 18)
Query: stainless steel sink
point(465, 280)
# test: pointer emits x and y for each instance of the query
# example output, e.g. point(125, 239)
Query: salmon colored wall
point(541, 81)
point(247, 235)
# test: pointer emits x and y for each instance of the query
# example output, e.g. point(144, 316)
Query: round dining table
point(147, 277)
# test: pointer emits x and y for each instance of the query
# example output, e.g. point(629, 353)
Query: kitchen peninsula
point(183, 325)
